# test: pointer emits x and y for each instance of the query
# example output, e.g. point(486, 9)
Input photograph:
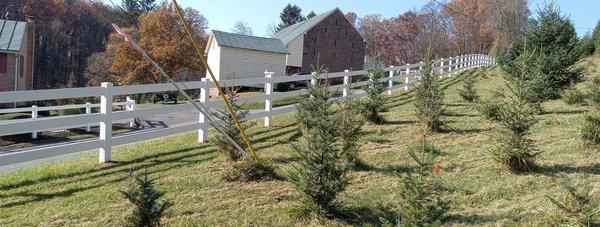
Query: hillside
point(81, 191)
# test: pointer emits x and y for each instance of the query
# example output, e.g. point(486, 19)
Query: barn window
point(3, 63)
point(325, 28)
point(333, 54)
point(22, 65)
point(335, 42)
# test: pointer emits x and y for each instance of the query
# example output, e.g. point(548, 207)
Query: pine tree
point(512, 147)
point(468, 92)
point(148, 211)
point(350, 127)
point(422, 202)
point(311, 15)
point(230, 128)
point(374, 103)
point(290, 15)
point(429, 98)
point(321, 172)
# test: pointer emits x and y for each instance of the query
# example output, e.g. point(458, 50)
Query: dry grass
point(84, 192)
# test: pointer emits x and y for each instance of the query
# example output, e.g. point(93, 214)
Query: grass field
point(84, 192)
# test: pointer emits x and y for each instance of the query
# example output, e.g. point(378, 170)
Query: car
point(165, 96)
point(292, 85)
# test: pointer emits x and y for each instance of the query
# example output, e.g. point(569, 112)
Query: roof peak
point(291, 32)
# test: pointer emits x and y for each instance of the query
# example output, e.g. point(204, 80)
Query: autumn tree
point(291, 14)
point(352, 17)
point(160, 33)
point(243, 28)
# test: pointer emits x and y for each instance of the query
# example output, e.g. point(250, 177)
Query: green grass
point(82, 191)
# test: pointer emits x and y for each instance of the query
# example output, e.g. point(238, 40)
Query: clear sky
point(223, 14)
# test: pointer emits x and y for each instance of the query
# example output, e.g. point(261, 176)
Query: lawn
point(81, 191)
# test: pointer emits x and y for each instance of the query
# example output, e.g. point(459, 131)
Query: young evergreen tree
point(468, 92)
point(375, 100)
point(553, 35)
point(230, 128)
point(350, 128)
point(148, 210)
point(429, 98)
point(321, 172)
point(242, 167)
point(422, 202)
point(513, 149)
point(527, 80)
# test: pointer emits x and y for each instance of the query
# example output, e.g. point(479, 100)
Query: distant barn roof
point(250, 42)
point(11, 35)
point(290, 33)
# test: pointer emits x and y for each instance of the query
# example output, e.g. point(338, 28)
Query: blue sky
point(223, 14)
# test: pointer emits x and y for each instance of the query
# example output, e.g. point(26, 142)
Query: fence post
point(406, 79)
point(130, 106)
point(420, 70)
point(34, 115)
point(88, 110)
point(313, 80)
point(441, 67)
point(268, 97)
point(106, 105)
point(346, 83)
point(204, 93)
point(390, 81)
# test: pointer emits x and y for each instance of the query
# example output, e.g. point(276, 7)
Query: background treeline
point(76, 45)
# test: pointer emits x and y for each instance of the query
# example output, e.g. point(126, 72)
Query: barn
point(327, 41)
point(236, 56)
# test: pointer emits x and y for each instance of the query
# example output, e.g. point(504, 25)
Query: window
point(22, 66)
point(3, 63)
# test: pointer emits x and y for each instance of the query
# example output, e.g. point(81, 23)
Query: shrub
point(468, 92)
point(321, 171)
point(573, 96)
point(375, 100)
point(512, 148)
point(490, 109)
point(590, 128)
point(429, 98)
point(143, 195)
point(580, 206)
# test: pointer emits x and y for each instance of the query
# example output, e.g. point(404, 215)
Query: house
point(235, 56)
point(16, 55)
point(327, 41)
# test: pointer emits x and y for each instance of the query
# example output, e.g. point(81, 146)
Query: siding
point(214, 58)
point(295, 48)
point(242, 63)
point(7, 80)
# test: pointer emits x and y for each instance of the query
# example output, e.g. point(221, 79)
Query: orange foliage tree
point(160, 33)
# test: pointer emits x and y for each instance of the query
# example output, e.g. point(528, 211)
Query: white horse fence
point(400, 77)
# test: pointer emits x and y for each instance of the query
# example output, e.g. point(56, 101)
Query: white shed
point(234, 56)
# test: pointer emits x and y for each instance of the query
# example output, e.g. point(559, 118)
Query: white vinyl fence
point(400, 77)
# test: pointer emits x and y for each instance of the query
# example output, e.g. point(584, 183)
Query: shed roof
point(249, 42)
point(291, 32)
point(11, 35)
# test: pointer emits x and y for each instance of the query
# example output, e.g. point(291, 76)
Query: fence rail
point(399, 77)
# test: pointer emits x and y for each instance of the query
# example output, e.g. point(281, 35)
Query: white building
point(234, 56)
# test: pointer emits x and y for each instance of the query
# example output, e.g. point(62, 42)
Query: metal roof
point(288, 34)
point(11, 35)
point(249, 42)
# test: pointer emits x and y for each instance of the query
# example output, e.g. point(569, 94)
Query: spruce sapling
point(321, 171)
point(375, 99)
point(148, 211)
point(429, 98)
point(468, 92)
